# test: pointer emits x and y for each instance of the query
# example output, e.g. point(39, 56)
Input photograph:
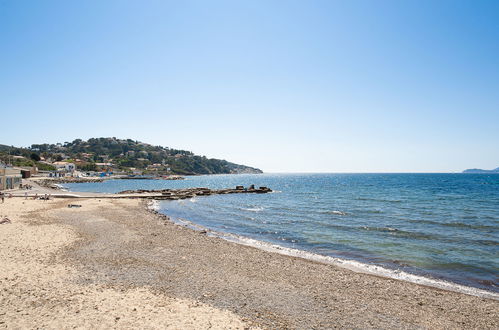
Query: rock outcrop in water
point(174, 194)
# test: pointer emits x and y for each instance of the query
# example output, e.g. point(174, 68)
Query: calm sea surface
point(444, 226)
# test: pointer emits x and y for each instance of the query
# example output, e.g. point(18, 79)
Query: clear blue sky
point(287, 86)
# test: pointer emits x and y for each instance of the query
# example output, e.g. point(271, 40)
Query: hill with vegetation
point(22, 157)
point(127, 155)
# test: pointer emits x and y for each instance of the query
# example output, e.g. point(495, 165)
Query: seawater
point(441, 226)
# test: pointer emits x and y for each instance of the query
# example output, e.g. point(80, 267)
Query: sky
point(286, 86)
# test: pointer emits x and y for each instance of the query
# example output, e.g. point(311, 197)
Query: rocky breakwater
point(174, 194)
point(54, 182)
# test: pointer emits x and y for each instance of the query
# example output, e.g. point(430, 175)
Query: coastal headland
point(113, 263)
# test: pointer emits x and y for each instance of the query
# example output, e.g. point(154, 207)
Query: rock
point(174, 194)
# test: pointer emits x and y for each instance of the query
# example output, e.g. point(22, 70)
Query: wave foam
point(352, 265)
point(254, 209)
point(153, 205)
point(336, 212)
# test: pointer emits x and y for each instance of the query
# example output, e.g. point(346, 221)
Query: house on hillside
point(104, 164)
point(10, 178)
point(64, 167)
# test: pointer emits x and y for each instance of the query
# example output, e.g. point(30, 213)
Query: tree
point(35, 157)
point(89, 167)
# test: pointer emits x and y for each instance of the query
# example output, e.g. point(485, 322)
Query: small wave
point(379, 200)
point(335, 212)
point(486, 242)
point(383, 229)
point(253, 209)
point(372, 211)
point(250, 218)
point(467, 225)
point(455, 224)
point(428, 236)
point(403, 233)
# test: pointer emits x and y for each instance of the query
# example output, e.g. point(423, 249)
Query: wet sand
point(110, 261)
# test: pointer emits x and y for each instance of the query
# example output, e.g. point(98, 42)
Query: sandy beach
point(43, 287)
point(113, 264)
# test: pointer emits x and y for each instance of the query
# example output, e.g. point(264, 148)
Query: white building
point(65, 166)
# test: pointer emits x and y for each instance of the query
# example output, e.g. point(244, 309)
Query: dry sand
point(111, 264)
point(38, 289)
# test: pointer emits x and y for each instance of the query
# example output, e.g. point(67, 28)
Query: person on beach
point(25, 195)
point(2, 195)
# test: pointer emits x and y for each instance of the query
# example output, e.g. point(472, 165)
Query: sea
point(434, 229)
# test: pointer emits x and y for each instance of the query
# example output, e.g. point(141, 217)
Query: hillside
point(101, 153)
point(477, 170)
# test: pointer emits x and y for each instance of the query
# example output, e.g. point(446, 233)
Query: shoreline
point(117, 250)
point(350, 264)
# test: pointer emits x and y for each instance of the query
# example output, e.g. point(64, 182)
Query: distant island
point(126, 155)
point(477, 170)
